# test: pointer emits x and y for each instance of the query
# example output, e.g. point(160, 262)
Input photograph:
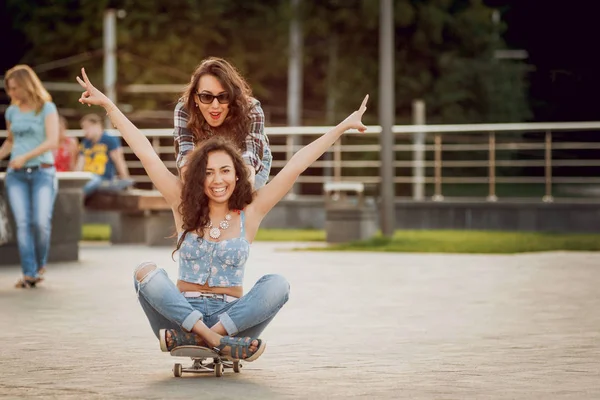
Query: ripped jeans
point(167, 308)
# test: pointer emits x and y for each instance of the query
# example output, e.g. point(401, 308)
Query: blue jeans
point(167, 308)
point(98, 183)
point(262, 177)
point(31, 195)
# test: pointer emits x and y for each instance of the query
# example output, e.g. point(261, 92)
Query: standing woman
point(31, 184)
point(218, 102)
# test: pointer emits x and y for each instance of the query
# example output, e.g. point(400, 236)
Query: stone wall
point(310, 213)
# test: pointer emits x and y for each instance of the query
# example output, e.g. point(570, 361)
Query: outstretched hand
point(91, 95)
point(354, 120)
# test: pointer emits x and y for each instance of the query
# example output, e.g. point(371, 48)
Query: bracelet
point(113, 108)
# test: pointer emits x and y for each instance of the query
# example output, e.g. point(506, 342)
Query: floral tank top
point(218, 263)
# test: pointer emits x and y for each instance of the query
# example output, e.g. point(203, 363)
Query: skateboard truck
point(201, 357)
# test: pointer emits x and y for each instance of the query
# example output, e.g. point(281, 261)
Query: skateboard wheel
point(218, 369)
point(177, 370)
point(237, 366)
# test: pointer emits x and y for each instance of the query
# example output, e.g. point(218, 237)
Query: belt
point(34, 167)
point(225, 297)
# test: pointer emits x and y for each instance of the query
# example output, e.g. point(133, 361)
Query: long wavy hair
point(194, 202)
point(29, 82)
point(237, 123)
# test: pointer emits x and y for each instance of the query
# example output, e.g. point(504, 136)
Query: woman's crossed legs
point(181, 322)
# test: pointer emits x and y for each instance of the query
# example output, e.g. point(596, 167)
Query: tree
point(444, 55)
point(444, 52)
point(158, 42)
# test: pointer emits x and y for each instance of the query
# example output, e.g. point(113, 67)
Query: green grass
point(290, 235)
point(430, 241)
point(93, 232)
point(447, 241)
point(101, 232)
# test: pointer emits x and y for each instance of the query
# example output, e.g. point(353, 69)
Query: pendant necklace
point(215, 231)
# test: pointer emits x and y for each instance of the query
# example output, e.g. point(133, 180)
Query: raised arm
point(274, 191)
point(167, 183)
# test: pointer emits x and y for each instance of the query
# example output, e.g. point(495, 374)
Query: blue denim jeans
point(31, 194)
point(98, 183)
point(262, 177)
point(167, 308)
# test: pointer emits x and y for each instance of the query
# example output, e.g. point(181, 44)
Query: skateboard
point(201, 357)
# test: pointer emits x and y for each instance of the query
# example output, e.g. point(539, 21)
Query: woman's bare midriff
point(236, 291)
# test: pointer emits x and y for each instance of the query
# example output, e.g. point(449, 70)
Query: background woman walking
point(31, 184)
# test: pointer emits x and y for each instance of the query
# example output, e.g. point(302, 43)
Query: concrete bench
point(66, 221)
point(135, 216)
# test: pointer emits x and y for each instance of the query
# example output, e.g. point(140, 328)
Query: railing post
point(437, 140)
point(337, 160)
point(387, 107)
point(156, 146)
point(110, 57)
point(548, 198)
point(492, 167)
point(418, 189)
point(290, 140)
point(289, 147)
point(295, 78)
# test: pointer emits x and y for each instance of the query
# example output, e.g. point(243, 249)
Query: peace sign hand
point(354, 120)
point(91, 95)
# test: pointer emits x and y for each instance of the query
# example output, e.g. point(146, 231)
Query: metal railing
point(449, 155)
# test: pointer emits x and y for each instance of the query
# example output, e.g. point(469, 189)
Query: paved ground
point(357, 325)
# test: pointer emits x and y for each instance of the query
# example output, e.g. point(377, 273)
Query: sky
point(560, 37)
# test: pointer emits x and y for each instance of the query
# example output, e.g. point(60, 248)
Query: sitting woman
point(217, 217)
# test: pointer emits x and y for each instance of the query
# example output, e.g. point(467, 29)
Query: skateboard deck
point(205, 360)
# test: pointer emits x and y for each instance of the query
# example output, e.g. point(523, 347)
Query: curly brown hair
point(194, 202)
point(237, 123)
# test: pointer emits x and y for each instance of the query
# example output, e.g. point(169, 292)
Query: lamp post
point(294, 103)
point(110, 57)
point(386, 115)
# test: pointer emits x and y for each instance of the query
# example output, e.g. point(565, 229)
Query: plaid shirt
point(256, 140)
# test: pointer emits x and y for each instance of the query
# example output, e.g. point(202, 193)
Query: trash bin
point(349, 215)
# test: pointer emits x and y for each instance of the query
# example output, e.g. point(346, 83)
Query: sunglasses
point(207, 98)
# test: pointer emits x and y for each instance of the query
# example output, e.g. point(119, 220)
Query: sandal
point(177, 339)
point(239, 346)
point(25, 283)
